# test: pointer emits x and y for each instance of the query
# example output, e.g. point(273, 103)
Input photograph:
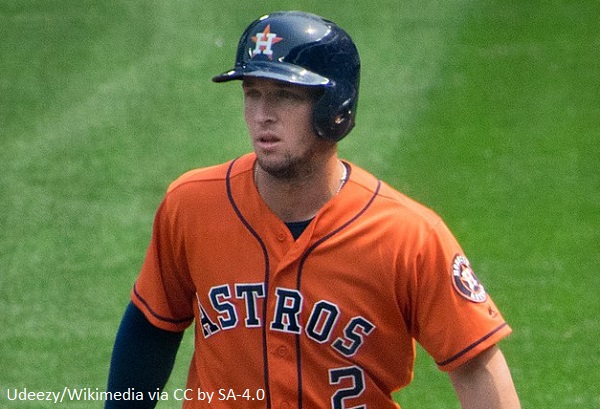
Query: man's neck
point(301, 199)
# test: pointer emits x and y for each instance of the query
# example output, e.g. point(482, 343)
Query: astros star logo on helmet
point(264, 41)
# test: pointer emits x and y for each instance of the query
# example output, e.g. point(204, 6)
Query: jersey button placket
point(283, 377)
point(282, 367)
point(282, 351)
point(281, 337)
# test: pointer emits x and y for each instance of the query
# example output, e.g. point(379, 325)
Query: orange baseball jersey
point(328, 320)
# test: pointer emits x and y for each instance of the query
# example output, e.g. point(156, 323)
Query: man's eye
point(288, 95)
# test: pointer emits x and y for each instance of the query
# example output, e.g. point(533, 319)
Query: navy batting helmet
point(304, 49)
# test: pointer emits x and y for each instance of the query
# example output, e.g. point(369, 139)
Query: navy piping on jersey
point(473, 345)
point(267, 268)
point(299, 279)
point(157, 316)
point(298, 283)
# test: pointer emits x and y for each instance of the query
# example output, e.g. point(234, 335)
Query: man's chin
point(279, 169)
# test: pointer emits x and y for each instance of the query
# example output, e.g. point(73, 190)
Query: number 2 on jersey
point(357, 386)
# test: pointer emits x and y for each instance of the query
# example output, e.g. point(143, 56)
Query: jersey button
point(281, 236)
point(282, 352)
point(285, 405)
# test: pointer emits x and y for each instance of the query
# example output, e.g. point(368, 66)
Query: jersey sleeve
point(163, 290)
point(454, 317)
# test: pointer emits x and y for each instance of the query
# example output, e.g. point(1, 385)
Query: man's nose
point(265, 110)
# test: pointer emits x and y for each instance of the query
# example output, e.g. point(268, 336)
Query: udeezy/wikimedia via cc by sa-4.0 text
point(68, 394)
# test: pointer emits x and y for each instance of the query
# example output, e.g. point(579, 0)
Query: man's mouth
point(267, 141)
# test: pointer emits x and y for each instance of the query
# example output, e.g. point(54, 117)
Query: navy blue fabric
point(296, 228)
point(142, 360)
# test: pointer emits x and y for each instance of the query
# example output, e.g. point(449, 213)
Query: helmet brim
point(276, 71)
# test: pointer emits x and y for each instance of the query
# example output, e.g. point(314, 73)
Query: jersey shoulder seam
point(207, 174)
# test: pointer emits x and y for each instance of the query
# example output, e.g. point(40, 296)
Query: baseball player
point(307, 280)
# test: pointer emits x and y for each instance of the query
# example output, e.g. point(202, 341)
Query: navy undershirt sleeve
point(142, 360)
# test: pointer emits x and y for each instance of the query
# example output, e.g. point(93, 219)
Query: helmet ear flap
point(334, 118)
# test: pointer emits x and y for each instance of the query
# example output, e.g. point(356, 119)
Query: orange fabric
point(334, 314)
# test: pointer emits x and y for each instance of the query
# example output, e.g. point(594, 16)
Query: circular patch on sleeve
point(465, 281)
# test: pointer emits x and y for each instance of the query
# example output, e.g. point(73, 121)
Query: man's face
point(279, 120)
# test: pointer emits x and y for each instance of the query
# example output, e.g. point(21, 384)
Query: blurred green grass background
point(488, 112)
